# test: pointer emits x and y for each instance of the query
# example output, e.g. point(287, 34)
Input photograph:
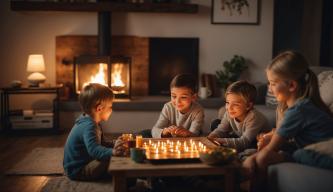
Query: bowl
point(218, 156)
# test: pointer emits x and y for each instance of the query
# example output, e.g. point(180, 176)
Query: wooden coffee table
point(122, 168)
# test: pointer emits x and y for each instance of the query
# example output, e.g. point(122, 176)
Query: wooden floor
point(13, 149)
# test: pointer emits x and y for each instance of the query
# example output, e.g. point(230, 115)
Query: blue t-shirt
point(305, 123)
point(83, 145)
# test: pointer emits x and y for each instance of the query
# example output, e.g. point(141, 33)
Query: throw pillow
point(270, 99)
point(325, 82)
point(317, 155)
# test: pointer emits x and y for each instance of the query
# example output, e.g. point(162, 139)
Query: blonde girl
point(305, 117)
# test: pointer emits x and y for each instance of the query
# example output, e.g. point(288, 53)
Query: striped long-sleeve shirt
point(245, 131)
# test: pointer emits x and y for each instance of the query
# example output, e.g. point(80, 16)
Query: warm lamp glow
point(35, 65)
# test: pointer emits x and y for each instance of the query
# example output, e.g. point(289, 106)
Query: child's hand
point(264, 139)
point(181, 132)
point(221, 141)
point(212, 136)
point(119, 148)
point(213, 140)
point(168, 131)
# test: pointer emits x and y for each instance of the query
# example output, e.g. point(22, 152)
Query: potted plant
point(231, 71)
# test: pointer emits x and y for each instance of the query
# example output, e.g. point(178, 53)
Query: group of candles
point(158, 148)
point(173, 147)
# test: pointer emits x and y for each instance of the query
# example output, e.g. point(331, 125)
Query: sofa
point(291, 176)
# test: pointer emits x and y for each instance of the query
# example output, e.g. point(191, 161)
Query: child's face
point(236, 106)
point(182, 98)
point(279, 87)
point(104, 110)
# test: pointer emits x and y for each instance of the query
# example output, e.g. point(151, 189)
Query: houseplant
point(231, 71)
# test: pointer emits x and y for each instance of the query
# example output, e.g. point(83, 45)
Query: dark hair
point(244, 89)
point(93, 95)
point(185, 80)
point(292, 65)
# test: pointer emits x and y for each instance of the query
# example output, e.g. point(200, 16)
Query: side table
point(17, 122)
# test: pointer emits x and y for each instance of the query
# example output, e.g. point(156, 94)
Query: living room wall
point(23, 33)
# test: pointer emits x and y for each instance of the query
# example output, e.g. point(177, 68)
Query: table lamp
point(36, 65)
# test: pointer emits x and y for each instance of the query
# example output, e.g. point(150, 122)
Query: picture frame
point(245, 12)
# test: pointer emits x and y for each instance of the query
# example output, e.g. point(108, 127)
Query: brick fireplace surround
point(67, 47)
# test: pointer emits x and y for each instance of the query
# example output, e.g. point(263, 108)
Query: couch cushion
point(318, 154)
point(287, 177)
point(269, 113)
point(325, 81)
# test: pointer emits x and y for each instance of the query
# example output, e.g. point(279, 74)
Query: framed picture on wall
point(235, 12)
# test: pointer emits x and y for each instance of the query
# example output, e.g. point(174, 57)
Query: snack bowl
point(218, 155)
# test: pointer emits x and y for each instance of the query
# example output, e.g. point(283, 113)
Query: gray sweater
point(193, 120)
point(246, 131)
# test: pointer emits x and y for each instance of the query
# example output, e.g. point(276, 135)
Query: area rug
point(65, 184)
point(40, 161)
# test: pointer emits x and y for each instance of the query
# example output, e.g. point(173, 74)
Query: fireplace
point(112, 71)
point(152, 62)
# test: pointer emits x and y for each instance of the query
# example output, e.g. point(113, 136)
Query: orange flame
point(99, 77)
point(116, 76)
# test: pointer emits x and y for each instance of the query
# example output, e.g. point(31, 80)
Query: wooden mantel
point(104, 6)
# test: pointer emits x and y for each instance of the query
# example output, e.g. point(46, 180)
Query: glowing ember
point(99, 77)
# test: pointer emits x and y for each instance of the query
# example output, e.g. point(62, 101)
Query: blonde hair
point(291, 65)
point(243, 88)
point(93, 95)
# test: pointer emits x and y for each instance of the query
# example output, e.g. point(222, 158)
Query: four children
point(305, 119)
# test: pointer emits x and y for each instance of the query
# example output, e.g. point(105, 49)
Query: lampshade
point(36, 63)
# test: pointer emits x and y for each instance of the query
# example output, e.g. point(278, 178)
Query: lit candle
point(138, 141)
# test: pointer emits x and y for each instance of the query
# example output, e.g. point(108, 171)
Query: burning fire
point(100, 77)
point(116, 83)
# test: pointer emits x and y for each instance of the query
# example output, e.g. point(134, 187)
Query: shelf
point(104, 6)
point(14, 122)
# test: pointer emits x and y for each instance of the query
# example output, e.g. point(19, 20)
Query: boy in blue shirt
point(85, 154)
